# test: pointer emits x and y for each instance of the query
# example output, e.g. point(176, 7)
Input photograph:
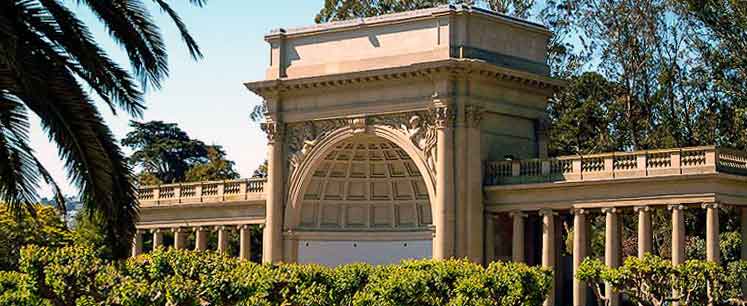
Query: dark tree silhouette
point(48, 60)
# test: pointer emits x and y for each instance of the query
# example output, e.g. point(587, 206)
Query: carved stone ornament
point(473, 115)
point(444, 116)
point(274, 130)
point(303, 136)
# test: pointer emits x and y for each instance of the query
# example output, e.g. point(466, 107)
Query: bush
point(75, 275)
point(652, 280)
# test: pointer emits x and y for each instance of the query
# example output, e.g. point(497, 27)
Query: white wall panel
point(332, 253)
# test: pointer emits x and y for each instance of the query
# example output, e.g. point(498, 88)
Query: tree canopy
point(166, 154)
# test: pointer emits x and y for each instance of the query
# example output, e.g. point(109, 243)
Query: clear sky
point(207, 97)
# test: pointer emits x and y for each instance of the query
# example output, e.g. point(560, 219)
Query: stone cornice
point(469, 67)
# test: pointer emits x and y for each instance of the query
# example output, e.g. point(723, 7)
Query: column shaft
point(201, 239)
point(490, 235)
point(475, 217)
point(180, 238)
point(580, 241)
point(245, 242)
point(517, 245)
point(713, 253)
point(272, 236)
point(612, 249)
point(222, 239)
point(137, 244)
point(743, 224)
point(444, 218)
point(548, 250)
point(157, 238)
point(678, 234)
point(645, 239)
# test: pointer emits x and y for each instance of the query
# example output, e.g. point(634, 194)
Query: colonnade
point(201, 238)
point(613, 237)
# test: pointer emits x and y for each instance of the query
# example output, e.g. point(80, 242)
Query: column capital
point(644, 208)
point(711, 205)
point(179, 230)
point(200, 228)
point(610, 210)
point(444, 116)
point(156, 230)
point(677, 207)
point(140, 231)
point(473, 114)
point(547, 212)
point(275, 131)
point(517, 213)
point(243, 226)
point(221, 228)
point(580, 211)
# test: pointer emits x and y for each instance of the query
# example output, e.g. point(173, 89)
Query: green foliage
point(166, 154)
point(45, 227)
point(75, 275)
point(654, 281)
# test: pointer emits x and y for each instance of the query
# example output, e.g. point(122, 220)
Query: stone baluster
point(137, 243)
point(222, 239)
point(645, 238)
point(201, 238)
point(157, 238)
point(245, 242)
point(580, 243)
point(548, 250)
point(612, 249)
point(180, 238)
point(517, 242)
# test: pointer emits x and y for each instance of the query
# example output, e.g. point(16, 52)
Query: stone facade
point(422, 133)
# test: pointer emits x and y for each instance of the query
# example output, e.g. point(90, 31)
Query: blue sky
point(206, 98)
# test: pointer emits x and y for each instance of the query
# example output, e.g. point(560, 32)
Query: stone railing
point(617, 165)
point(197, 192)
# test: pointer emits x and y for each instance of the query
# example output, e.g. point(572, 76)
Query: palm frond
point(194, 49)
point(19, 176)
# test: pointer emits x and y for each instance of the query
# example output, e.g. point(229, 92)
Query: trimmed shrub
point(75, 275)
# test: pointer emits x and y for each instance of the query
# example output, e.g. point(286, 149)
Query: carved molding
point(274, 130)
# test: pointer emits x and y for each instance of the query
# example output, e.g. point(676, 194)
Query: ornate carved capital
point(275, 131)
point(473, 115)
point(444, 116)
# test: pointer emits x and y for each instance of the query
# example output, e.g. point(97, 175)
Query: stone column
point(272, 236)
point(201, 238)
point(475, 216)
point(157, 238)
point(222, 239)
point(580, 242)
point(180, 238)
point(678, 234)
point(245, 242)
point(490, 235)
point(548, 250)
point(137, 243)
point(517, 242)
point(645, 238)
point(612, 249)
point(444, 218)
point(713, 252)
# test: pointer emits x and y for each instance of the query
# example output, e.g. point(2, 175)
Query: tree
point(261, 171)
point(39, 225)
point(216, 168)
point(166, 154)
point(48, 59)
point(163, 150)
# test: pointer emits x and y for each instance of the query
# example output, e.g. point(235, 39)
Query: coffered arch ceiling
point(366, 183)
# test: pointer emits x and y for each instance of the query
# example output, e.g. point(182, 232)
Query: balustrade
point(233, 190)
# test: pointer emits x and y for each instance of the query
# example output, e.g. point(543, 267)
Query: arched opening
point(364, 201)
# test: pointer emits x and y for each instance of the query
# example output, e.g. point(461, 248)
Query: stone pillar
point(444, 218)
point(645, 238)
point(245, 242)
point(517, 242)
point(548, 250)
point(201, 239)
point(713, 252)
point(180, 238)
point(580, 242)
point(490, 235)
point(612, 249)
point(157, 238)
point(678, 234)
point(272, 236)
point(743, 224)
point(222, 239)
point(137, 243)
point(475, 214)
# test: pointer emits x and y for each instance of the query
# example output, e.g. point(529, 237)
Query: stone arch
point(299, 177)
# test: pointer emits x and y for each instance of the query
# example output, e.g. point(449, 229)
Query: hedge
point(75, 275)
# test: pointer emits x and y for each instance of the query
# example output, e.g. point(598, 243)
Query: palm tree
point(51, 66)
